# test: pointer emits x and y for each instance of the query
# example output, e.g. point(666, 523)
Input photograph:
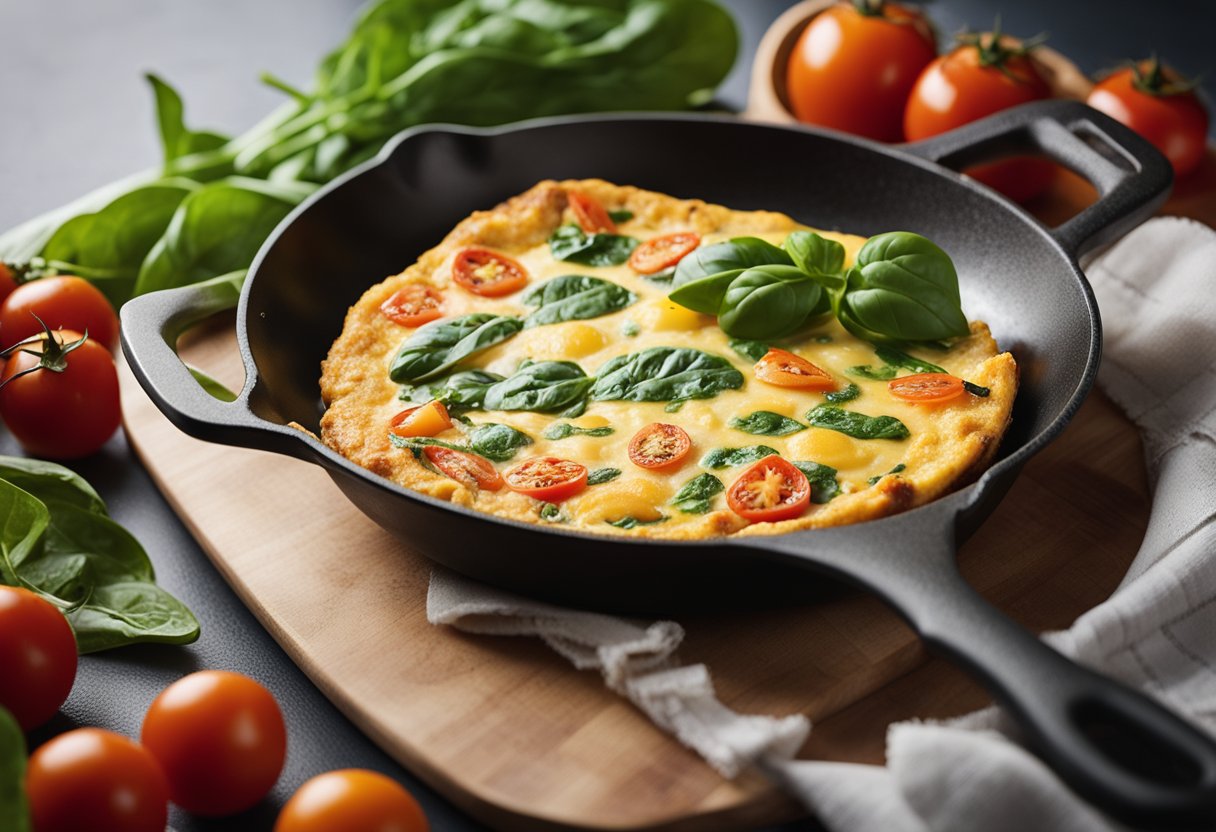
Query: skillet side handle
point(1133, 179)
point(151, 325)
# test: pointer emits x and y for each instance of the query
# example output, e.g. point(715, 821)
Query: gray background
point(77, 115)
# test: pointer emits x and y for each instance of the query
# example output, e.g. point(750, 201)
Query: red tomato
point(927, 387)
point(472, 470)
point(220, 739)
point(1155, 102)
point(770, 490)
point(663, 252)
point(351, 800)
point(488, 273)
point(547, 478)
point(659, 446)
point(784, 369)
point(96, 780)
point(852, 70)
point(975, 80)
point(63, 303)
point(423, 420)
point(37, 654)
point(61, 414)
point(414, 305)
point(591, 216)
point(8, 281)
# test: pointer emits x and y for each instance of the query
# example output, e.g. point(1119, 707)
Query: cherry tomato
point(770, 490)
point(488, 273)
point(8, 281)
point(63, 303)
point(663, 252)
point(37, 654)
point(61, 415)
point(219, 738)
point(414, 305)
point(978, 79)
point(547, 478)
point(424, 420)
point(853, 66)
point(784, 369)
point(351, 800)
point(659, 446)
point(591, 216)
point(96, 780)
point(1155, 102)
point(472, 470)
point(927, 387)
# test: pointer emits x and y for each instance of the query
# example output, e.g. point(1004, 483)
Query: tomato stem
point(53, 356)
point(1156, 81)
point(995, 53)
point(869, 8)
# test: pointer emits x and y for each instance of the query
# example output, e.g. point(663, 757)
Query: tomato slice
point(472, 470)
point(659, 446)
point(770, 490)
point(424, 420)
point(784, 369)
point(414, 305)
point(926, 387)
point(591, 216)
point(488, 273)
point(663, 252)
point(547, 478)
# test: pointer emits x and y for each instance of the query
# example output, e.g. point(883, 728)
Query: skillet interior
point(372, 224)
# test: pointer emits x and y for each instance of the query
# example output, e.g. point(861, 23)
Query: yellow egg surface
point(947, 446)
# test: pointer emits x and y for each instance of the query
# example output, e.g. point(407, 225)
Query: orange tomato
point(423, 420)
point(351, 800)
point(784, 369)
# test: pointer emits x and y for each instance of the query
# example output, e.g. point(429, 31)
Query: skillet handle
point(151, 325)
point(1132, 177)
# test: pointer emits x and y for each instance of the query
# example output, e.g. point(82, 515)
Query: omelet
point(576, 392)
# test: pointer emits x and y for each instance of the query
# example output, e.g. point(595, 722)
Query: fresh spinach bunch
point(574, 297)
point(665, 374)
point(439, 346)
point(57, 539)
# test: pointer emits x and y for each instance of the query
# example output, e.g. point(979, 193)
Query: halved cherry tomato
point(470, 469)
point(784, 369)
point(414, 305)
point(424, 420)
point(926, 387)
point(591, 216)
point(770, 490)
point(351, 799)
point(658, 446)
point(38, 654)
point(663, 252)
point(488, 273)
point(547, 478)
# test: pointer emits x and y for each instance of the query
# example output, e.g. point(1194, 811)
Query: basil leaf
point(895, 470)
point(662, 278)
point(52, 483)
point(464, 389)
point(857, 425)
point(176, 139)
point(571, 245)
point(575, 297)
point(497, 442)
point(766, 423)
point(14, 808)
point(696, 495)
point(539, 386)
point(846, 395)
point(441, 345)
point(664, 374)
point(701, 279)
point(629, 522)
point(734, 457)
point(620, 215)
point(563, 430)
point(896, 358)
point(767, 302)
point(884, 373)
point(751, 350)
point(602, 475)
point(674, 406)
point(824, 485)
point(213, 388)
point(902, 287)
point(816, 256)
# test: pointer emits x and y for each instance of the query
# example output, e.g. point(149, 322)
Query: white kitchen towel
point(1157, 292)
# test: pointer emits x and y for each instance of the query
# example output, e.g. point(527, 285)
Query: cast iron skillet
point(1112, 745)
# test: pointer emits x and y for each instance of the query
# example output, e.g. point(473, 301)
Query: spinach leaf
point(540, 386)
point(674, 406)
point(857, 425)
point(824, 485)
point(767, 302)
point(213, 387)
point(441, 345)
point(662, 278)
point(846, 395)
point(751, 350)
point(897, 358)
point(552, 513)
point(562, 430)
point(14, 808)
point(571, 245)
point(465, 389)
point(696, 496)
point(816, 256)
point(895, 470)
point(575, 297)
point(497, 442)
point(629, 522)
point(663, 374)
point(766, 423)
point(602, 475)
point(734, 457)
point(175, 138)
point(884, 373)
point(620, 215)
